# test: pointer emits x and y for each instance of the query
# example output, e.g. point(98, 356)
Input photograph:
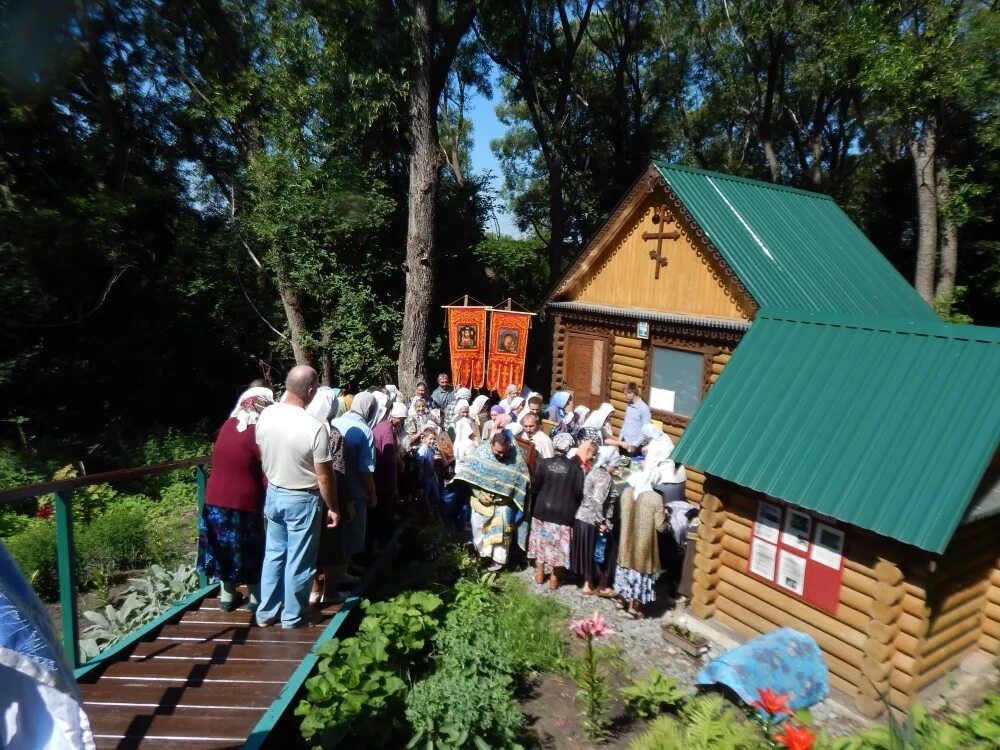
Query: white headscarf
point(514, 428)
point(581, 413)
point(321, 406)
point(645, 480)
point(398, 410)
point(464, 444)
point(608, 457)
point(463, 392)
point(477, 406)
point(514, 403)
point(658, 455)
point(382, 399)
point(599, 416)
point(245, 411)
point(393, 393)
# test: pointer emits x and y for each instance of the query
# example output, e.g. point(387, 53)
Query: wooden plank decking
point(202, 682)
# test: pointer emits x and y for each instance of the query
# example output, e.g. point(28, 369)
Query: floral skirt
point(549, 543)
point(230, 544)
point(633, 585)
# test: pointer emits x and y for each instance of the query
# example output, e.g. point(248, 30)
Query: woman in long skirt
point(231, 527)
point(642, 519)
point(558, 485)
point(593, 526)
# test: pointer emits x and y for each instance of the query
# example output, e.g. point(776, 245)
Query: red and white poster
point(467, 340)
point(508, 346)
point(801, 555)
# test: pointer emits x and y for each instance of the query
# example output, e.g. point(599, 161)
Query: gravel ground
point(644, 647)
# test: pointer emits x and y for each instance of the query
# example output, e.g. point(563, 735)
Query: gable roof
point(882, 424)
point(790, 248)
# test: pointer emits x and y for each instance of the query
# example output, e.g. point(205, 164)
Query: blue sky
point(486, 127)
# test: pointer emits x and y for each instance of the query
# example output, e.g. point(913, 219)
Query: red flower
point(44, 511)
point(771, 702)
point(594, 627)
point(796, 737)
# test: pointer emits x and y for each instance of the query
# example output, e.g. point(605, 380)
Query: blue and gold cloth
point(507, 479)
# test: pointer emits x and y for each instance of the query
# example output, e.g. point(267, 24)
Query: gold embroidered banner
point(467, 339)
point(508, 345)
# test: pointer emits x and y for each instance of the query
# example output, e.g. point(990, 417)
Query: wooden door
point(585, 366)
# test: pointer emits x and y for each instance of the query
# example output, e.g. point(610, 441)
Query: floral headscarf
point(249, 406)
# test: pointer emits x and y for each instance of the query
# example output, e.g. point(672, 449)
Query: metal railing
point(62, 492)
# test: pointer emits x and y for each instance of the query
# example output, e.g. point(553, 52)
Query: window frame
point(706, 352)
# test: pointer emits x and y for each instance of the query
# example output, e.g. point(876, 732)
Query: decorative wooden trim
point(694, 230)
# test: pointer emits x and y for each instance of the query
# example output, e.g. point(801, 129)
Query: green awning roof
point(793, 249)
point(886, 425)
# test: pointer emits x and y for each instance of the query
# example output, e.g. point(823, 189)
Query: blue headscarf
point(559, 400)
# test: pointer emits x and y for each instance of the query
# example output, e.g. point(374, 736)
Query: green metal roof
point(793, 249)
point(883, 424)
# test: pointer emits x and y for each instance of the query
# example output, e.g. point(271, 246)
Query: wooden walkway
point(203, 681)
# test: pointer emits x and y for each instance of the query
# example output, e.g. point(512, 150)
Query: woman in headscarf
point(461, 411)
point(487, 430)
point(642, 518)
point(557, 487)
point(455, 497)
point(479, 416)
point(560, 405)
point(672, 478)
point(500, 422)
point(499, 479)
point(323, 406)
point(358, 487)
point(595, 427)
point(231, 527)
point(593, 547)
point(516, 407)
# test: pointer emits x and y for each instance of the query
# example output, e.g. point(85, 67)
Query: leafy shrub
point(175, 518)
point(359, 682)
point(163, 445)
point(458, 708)
point(34, 550)
point(653, 695)
point(119, 538)
point(145, 599)
point(707, 722)
point(490, 637)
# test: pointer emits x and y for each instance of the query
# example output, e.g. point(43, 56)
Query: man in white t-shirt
point(543, 443)
point(295, 455)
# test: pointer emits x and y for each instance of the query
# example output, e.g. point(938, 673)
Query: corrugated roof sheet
point(637, 313)
point(793, 249)
point(882, 424)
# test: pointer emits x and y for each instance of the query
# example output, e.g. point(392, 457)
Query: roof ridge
point(663, 165)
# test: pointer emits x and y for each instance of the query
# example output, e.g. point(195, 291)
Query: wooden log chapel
point(841, 440)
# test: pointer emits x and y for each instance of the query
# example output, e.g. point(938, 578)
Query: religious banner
point(508, 345)
point(467, 337)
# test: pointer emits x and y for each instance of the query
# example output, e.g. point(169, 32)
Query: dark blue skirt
point(230, 544)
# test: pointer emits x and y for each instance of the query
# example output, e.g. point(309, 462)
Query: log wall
point(989, 625)
point(904, 617)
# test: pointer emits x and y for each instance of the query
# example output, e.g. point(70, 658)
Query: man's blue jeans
point(293, 519)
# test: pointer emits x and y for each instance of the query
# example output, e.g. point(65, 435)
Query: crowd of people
point(305, 490)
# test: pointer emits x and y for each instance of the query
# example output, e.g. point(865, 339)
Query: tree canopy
point(194, 194)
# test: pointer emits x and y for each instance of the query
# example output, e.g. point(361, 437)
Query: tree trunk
point(304, 354)
point(922, 147)
point(945, 289)
point(557, 221)
point(423, 163)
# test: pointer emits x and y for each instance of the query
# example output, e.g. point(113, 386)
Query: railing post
point(66, 566)
point(202, 477)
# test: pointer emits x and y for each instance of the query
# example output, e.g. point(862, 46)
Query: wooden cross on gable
point(660, 216)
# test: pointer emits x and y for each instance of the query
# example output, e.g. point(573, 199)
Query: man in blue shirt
point(637, 415)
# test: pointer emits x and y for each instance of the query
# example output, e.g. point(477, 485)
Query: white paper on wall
point(661, 399)
point(768, 522)
point(798, 527)
point(791, 572)
point(762, 558)
point(828, 546)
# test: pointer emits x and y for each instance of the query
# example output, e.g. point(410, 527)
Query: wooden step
point(147, 696)
point(218, 652)
point(216, 728)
